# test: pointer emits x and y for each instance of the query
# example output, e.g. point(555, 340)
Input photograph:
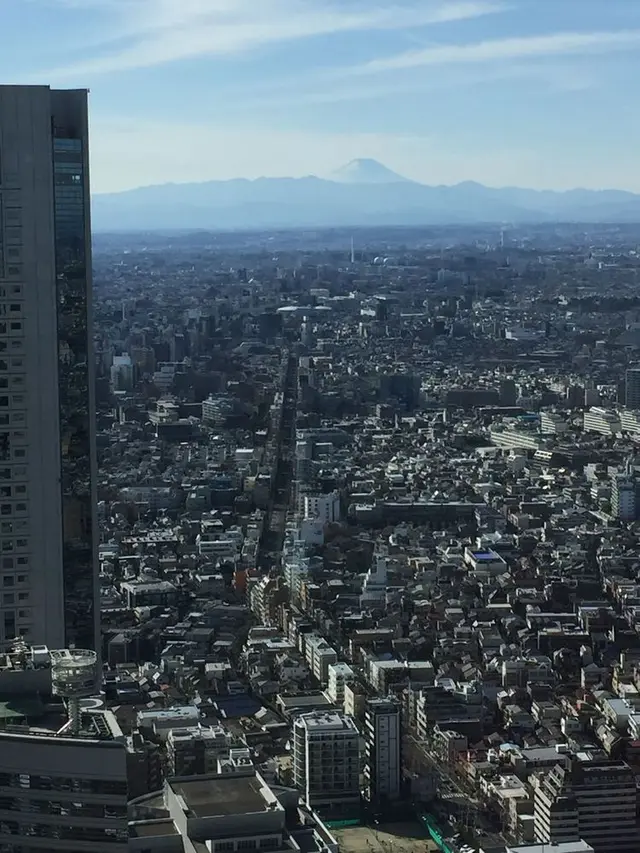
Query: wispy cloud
point(156, 32)
point(555, 76)
point(500, 50)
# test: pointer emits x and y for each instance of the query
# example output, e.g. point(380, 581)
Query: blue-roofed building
point(485, 559)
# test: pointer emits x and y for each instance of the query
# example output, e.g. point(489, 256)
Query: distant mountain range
point(364, 192)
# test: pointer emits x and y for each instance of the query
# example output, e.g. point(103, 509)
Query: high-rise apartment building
point(624, 497)
point(326, 760)
point(48, 559)
point(590, 798)
point(383, 751)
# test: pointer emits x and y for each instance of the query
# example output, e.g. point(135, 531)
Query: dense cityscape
point(313, 541)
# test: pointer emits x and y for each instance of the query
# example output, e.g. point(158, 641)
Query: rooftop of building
point(383, 706)
point(97, 725)
point(231, 794)
point(327, 721)
point(340, 669)
point(152, 828)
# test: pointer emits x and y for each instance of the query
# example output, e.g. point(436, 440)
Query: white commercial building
point(512, 438)
point(122, 373)
point(604, 421)
point(296, 570)
point(319, 655)
point(624, 497)
point(629, 420)
point(326, 760)
point(339, 674)
point(47, 405)
point(374, 588)
point(485, 560)
point(552, 423)
point(324, 507)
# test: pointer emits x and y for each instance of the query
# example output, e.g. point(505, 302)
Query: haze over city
point(532, 93)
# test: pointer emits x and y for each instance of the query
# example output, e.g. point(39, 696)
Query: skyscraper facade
point(48, 559)
point(632, 388)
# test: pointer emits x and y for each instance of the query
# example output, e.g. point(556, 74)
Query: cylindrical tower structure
point(74, 674)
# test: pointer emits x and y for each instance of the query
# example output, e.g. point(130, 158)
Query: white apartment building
point(319, 655)
point(326, 760)
point(323, 507)
point(624, 497)
point(224, 548)
point(167, 411)
point(603, 421)
point(629, 420)
point(339, 674)
point(551, 423)
point(296, 571)
point(216, 409)
point(512, 438)
point(374, 588)
point(122, 373)
point(485, 560)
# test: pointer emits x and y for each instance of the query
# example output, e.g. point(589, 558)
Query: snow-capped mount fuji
point(366, 171)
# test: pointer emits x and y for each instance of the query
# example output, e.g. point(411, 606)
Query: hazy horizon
point(331, 177)
point(526, 93)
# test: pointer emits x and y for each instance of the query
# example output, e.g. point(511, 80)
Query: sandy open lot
point(386, 838)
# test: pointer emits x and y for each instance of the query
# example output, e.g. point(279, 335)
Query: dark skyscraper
point(47, 424)
point(632, 388)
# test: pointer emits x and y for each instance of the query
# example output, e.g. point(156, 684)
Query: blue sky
point(538, 93)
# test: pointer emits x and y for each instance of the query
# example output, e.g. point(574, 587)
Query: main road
point(280, 498)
